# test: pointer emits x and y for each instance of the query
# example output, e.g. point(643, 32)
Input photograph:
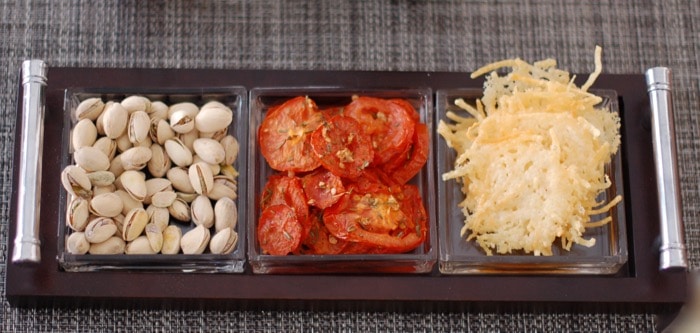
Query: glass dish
point(420, 260)
point(458, 256)
point(236, 99)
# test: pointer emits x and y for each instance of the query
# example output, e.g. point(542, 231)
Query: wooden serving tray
point(638, 284)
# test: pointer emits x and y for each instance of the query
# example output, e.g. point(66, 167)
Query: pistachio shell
point(209, 150)
point(229, 171)
point(84, 134)
point(119, 222)
point(158, 216)
point(155, 237)
point(223, 187)
point(201, 178)
point(116, 167)
point(115, 120)
point(101, 178)
point(128, 201)
point(188, 138)
point(136, 158)
point(134, 183)
point(178, 152)
point(215, 168)
point(188, 108)
point(213, 117)
point(134, 223)
point(100, 229)
point(97, 190)
point(160, 163)
point(123, 143)
point(225, 214)
point(180, 179)
point(231, 149)
point(146, 143)
point(181, 122)
point(135, 103)
point(76, 182)
point(195, 241)
point(155, 185)
point(218, 135)
point(139, 126)
point(77, 214)
point(77, 243)
point(187, 197)
point(159, 110)
point(171, 240)
point(163, 199)
point(106, 205)
point(160, 131)
point(91, 159)
point(180, 210)
point(107, 146)
point(113, 245)
point(202, 212)
point(223, 242)
point(140, 245)
point(90, 108)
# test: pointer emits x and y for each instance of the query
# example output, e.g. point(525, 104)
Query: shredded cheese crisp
point(531, 158)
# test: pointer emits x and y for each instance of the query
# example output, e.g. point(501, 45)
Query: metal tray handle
point(672, 250)
point(27, 243)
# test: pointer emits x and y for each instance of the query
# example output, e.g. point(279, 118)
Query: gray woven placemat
point(357, 35)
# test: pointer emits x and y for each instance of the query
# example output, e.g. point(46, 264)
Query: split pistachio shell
point(106, 205)
point(181, 122)
point(155, 185)
point(91, 159)
point(155, 237)
point(123, 143)
point(171, 240)
point(136, 158)
point(231, 148)
point(101, 178)
point(119, 222)
point(113, 245)
point(134, 183)
point(139, 126)
point(188, 138)
point(209, 150)
point(223, 242)
point(90, 108)
point(128, 201)
point(213, 117)
point(180, 210)
point(100, 229)
point(115, 120)
point(77, 214)
point(229, 171)
point(225, 214)
point(215, 168)
point(107, 146)
point(163, 199)
point(180, 179)
point(100, 189)
point(159, 110)
point(135, 103)
point(84, 134)
point(190, 109)
point(160, 131)
point(76, 182)
point(195, 241)
point(187, 197)
point(201, 178)
point(158, 216)
point(159, 164)
point(140, 245)
point(223, 188)
point(116, 167)
point(178, 152)
point(77, 243)
point(146, 143)
point(134, 223)
point(202, 212)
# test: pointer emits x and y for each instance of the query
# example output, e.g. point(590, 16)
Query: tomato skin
point(322, 188)
point(283, 135)
point(286, 190)
point(342, 147)
point(389, 125)
point(408, 165)
point(279, 230)
point(319, 240)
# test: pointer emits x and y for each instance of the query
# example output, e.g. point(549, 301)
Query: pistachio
point(100, 189)
point(76, 182)
point(201, 178)
point(91, 159)
point(190, 109)
point(77, 214)
point(133, 104)
point(155, 237)
point(90, 108)
point(136, 158)
point(163, 199)
point(213, 117)
point(223, 187)
point(140, 245)
point(106, 205)
point(113, 245)
point(146, 143)
point(158, 110)
point(202, 212)
point(181, 122)
point(158, 216)
point(187, 197)
point(155, 185)
point(123, 143)
point(128, 201)
point(101, 178)
point(138, 127)
point(115, 120)
point(209, 150)
point(188, 138)
point(195, 241)
point(159, 164)
point(116, 167)
point(100, 229)
point(229, 171)
point(180, 179)
point(119, 222)
point(225, 214)
point(180, 210)
point(178, 152)
point(77, 243)
point(84, 134)
point(160, 131)
point(134, 183)
point(171, 240)
point(215, 168)
point(107, 146)
point(223, 242)
point(99, 122)
point(134, 223)
point(231, 148)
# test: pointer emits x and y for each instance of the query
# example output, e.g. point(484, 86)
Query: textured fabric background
point(356, 35)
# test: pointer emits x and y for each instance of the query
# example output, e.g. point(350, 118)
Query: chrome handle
point(27, 243)
point(672, 250)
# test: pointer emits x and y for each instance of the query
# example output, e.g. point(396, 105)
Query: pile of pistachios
point(144, 171)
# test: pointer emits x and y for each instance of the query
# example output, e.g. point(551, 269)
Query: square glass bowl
point(236, 99)
point(459, 256)
point(420, 260)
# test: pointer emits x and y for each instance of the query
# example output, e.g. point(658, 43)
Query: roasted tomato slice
point(407, 165)
point(279, 230)
point(322, 188)
point(406, 105)
point(389, 125)
point(319, 240)
point(342, 147)
point(286, 190)
point(284, 135)
point(375, 218)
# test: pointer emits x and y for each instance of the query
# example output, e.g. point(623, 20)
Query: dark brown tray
point(639, 283)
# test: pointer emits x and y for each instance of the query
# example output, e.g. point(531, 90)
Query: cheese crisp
point(531, 159)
